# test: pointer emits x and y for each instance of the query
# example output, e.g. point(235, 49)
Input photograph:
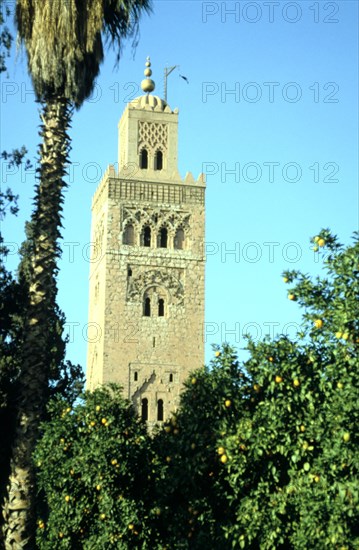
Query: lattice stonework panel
point(156, 218)
point(152, 136)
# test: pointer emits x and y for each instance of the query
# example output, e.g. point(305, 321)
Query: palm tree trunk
point(38, 353)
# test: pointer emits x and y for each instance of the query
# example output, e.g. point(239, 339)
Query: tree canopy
point(262, 453)
point(64, 41)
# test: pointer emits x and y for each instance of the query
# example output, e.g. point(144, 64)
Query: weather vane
point(167, 72)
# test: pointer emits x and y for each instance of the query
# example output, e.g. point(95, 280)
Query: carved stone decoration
point(177, 219)
point(158, 217)
point(152, 136)
point(138, 216)
point(155, 277)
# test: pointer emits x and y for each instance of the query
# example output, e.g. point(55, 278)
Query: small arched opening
point(163, 237)
point(147, 307)
point(129, 235)
point(144, 159)
point(179, 239)
point(144, 409)
point(161, 307)
point(158, 160)
point(160, 410)
point(146, 236)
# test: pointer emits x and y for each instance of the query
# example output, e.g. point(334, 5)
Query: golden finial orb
point(148, 84)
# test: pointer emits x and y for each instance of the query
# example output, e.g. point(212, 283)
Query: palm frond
point(64, 40)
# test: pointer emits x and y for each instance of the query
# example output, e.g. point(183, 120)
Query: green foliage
point(6, 38)
point(261, 454)
point(94, 465)
point(13, 297)
point(65, 378)
point(65, 41)
point(293, 464)
point(8, 201)
point(191, 492)
point(278, 466)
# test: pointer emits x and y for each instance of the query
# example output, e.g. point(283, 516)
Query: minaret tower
point(146, 310)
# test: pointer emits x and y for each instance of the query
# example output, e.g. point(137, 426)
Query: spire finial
point(147, 84)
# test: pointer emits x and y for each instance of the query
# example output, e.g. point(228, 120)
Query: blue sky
point(270, 114)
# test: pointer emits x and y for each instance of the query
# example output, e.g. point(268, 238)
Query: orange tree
point(261, 454)
point(293, 462)
point(93, 472)
point(191, 492)
point(265, 454)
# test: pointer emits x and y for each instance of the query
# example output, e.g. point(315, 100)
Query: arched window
point(163, 237)
point(144, 159)
point(147, 307)
point(158, 160)
point(179, 239)
point(146, 236)
point(161, 307)
point(160, 410)
point(144, 409)
point(129, 235)
point(171, 377)
point(135, 376)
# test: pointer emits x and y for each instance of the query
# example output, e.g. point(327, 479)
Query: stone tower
point(146, 309)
